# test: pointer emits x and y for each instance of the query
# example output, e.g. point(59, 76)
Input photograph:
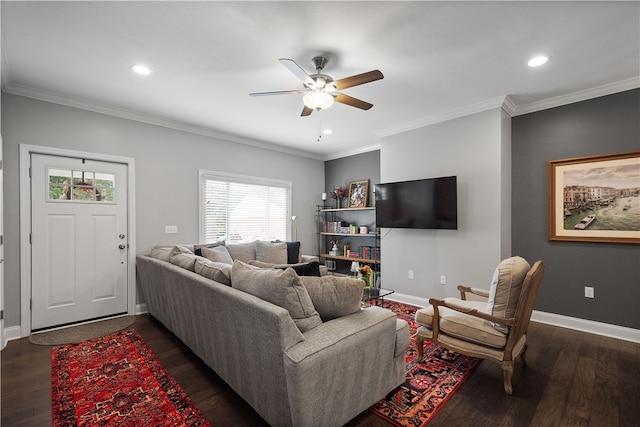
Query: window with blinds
point(242, 208)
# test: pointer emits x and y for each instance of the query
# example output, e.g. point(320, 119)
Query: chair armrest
point(467, 289)
point(469, 311)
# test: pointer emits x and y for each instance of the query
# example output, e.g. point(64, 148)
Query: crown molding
point(347, 153)
point(511, 108)
point(95, 107)
point(583, 95)
point(442, 117)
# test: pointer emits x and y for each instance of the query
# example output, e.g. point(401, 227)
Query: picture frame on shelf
point(358, 194)
point(595, 198)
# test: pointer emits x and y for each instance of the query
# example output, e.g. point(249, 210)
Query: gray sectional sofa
point(299, 350)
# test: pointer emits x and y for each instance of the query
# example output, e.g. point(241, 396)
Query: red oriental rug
point(429, 384)
point(116, 380)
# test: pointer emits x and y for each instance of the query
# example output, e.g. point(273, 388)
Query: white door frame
point(25, 224)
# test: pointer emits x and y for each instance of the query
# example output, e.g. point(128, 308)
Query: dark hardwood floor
point(573, 379)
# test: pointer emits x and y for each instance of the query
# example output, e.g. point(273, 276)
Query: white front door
point(78, 240)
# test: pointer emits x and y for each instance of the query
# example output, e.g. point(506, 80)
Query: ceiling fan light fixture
point(317, 100)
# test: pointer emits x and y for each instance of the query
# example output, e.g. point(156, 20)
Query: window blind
point(242, 209)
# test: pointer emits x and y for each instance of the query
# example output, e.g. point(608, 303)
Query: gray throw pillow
point(183, 257)
point(197, 249)
point(275, 253)
point(334, 296)
point(280, 287)
point(244, 252)
point(218, 271)
point(161, 252)
point(217, 254)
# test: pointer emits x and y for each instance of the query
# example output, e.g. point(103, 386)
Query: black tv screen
point(426, 203)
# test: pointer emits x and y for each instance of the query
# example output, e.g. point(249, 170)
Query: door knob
point(121, 236)
point(122, 246)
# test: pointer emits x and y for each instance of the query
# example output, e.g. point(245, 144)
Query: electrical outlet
point(411, 275)
point(443, 280)
point(588, 292)
point(170, 229)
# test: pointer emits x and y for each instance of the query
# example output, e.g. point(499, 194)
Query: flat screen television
point(425, 203)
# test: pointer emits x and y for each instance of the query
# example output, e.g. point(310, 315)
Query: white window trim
point(246, 179)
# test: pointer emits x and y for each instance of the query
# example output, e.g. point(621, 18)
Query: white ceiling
point(440, 60)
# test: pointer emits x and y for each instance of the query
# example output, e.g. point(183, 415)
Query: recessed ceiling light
point(141, 69)
point(538, 60)
point(327, 131)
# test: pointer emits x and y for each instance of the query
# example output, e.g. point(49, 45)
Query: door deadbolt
point(121, 236)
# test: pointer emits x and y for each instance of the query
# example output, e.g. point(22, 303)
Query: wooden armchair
point(494, 329)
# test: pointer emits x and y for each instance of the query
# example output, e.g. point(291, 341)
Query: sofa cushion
point(463, 326)
point(217, 254)
point(183, 257)
point(275, 253)
point(197, 249)
point(161, 252)
point(301, 269)
point(218, 271)
point(334, 296)
point(283, 288)
point(505, 288)
point(244, 252)
point(293, 252)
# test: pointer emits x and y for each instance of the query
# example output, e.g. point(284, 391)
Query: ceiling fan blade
point(280, 92)
point(306, 111)
point(354, 102)
point(298, 71)
point(358, 79)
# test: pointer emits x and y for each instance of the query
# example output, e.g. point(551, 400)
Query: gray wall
point(476, 149)
point(352, 168)
point(603, 125)
point(166, 161)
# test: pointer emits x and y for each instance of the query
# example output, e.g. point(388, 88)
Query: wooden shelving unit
point(330, 214)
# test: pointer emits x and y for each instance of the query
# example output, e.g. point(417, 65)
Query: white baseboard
point(590, 326)
point(141, 308)
point(11, 333)
point(583, 325)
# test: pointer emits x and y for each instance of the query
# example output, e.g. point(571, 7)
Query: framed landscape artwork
point(595, 199)
point(358, 193)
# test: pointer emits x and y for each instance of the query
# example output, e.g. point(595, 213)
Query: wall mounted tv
point(425, 203)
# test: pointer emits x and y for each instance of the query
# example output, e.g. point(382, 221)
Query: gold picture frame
point(358, 194)
point(595, 198)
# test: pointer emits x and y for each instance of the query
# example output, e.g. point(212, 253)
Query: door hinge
point(1, 240)
point(30, 303)
point(29, 171)
point(29, 238)
point(1, 314)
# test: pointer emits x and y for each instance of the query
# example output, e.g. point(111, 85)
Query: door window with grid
point(242, 208)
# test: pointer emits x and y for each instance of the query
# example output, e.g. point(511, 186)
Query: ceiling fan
point(321, 90)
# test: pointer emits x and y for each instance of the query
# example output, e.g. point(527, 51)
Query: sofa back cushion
point(183, 257)
point(334, 296)
point(162, 253)
point(244, 252)
point(273, 252)
point(197, 249)
point(280, 287)
point(505, 288)
point(217, 254)
point(218, 271)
